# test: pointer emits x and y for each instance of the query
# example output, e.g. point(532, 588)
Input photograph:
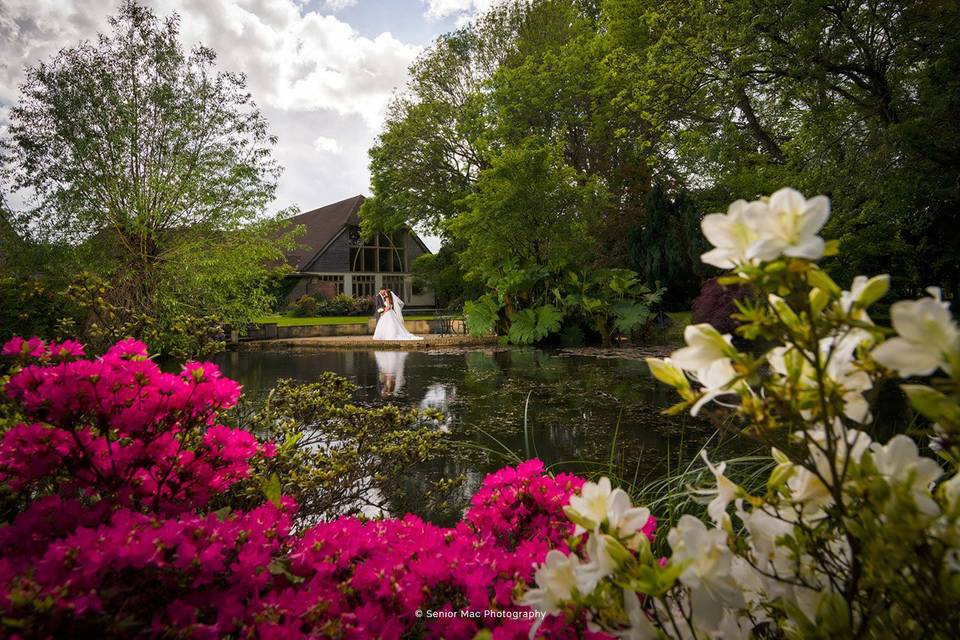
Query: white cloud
point(315, 76)
point(337, 5)
point(300, 61)
point(463, 9)
point(323, 144)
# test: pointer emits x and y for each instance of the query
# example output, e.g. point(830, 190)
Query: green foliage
point(433, 145)
point(747, 96)
point(100, 323)
point(443, 274)
point(664, 110)
point(528, 326)
point(305, 306)
point(308, 306)
point(333, 456)
point(150, 170)
point(666, 248)
point(609, 301)
point(530, 210)
point(482, 315)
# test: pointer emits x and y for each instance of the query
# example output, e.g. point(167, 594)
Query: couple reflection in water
point(390, 375)
point(390, 365)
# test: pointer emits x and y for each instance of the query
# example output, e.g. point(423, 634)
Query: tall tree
point(666, 248)
point(158, 166)
point(830, 96)
point(433, 145)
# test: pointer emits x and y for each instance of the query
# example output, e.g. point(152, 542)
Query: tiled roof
point(322, 225)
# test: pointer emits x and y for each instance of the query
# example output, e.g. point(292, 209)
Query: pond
point(575, 412)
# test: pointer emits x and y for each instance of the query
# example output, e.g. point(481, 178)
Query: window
point(317, 283)
point(395, 283)
point(364, 286)
point(381, 254)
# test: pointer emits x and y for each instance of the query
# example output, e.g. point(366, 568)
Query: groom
point(381, 300)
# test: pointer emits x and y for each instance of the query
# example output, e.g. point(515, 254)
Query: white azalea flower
point(790, 226)
point(640, 626)
point(708, 574)
point(598, 503)
point(751, 582)
point(705, 345)
point(732, 627)
point(850, 445)
point(588, 509)
point(600, 565)
point(716, 380)
point(807, 490)
point(900, 462)
point(841, 368)
point(624, 519)
point(733, 234)
point(928, 338)
point(950, 490)
point(555, 583)
point(765, 529)
point(840, 355)
point(864, 292)
point(724, 492)
point(707, 357)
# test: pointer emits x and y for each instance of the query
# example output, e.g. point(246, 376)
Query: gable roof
point(321, 227)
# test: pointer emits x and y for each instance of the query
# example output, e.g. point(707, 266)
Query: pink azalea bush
point(105, 488)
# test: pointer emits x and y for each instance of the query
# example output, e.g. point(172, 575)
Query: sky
point(322, 71)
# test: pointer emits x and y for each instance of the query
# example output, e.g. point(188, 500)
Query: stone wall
point(270, 331)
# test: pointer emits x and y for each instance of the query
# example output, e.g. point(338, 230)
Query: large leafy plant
point(609, 301)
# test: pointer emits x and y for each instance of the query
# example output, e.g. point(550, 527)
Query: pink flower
point(116, 465)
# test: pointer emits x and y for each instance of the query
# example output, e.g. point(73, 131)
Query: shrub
point(340, 305)
point(111, 532)
point(847, 537)
point(306, 306)
point(332, 456)
point(715, 305)
point(362, 306)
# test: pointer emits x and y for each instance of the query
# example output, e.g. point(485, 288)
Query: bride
point(390, 325)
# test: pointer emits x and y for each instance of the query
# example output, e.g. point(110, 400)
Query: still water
point(574, 412)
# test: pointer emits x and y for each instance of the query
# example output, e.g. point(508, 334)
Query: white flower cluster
point(614, 525)
point(784, 224)
point(839, 507)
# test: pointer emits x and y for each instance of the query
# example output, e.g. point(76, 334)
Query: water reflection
point(390, 371)
point(575, 405)
point(440, 397)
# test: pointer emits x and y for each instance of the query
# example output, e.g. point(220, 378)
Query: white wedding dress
point(390, 325)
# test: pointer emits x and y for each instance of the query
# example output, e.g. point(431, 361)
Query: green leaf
point(282, 567)
point(630, 316)
point(532, 325)
point(821, 280)
point(482, 315)
point(272, 490)
point(931, 404)
point(223, 513)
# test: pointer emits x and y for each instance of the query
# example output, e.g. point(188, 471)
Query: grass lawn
point(294, 321)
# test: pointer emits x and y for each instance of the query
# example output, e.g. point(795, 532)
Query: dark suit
point(381, 303)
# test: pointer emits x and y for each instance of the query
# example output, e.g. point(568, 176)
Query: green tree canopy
point(153, 166)
point(716, 101)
